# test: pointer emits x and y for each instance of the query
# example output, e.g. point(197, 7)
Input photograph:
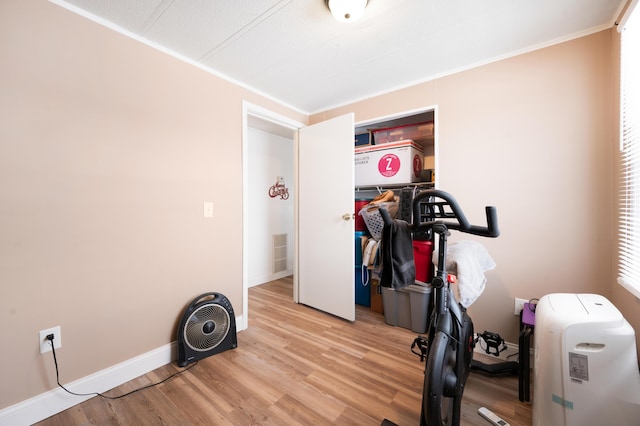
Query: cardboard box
point(391, 163)
point(376, 296)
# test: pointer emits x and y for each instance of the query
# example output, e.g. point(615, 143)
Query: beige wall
point(531, 135)
point(108, 148)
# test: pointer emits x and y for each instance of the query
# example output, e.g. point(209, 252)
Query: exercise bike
point(450, 340)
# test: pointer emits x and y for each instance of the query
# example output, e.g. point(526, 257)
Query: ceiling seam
point(245, 29)
point(153, 18)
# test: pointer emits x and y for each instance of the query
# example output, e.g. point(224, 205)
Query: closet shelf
point(422, 185)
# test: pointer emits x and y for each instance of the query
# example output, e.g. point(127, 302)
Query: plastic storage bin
point(362, 282)
point(362, 139)
point(417, 131)
point(357, 243)
point(359, 204)
point(408, 307)
point(362, 285)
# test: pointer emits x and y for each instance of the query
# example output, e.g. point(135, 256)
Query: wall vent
point(279, 252)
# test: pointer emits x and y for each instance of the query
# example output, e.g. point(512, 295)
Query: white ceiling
point(295, 52)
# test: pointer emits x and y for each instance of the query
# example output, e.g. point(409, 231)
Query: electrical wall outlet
point(45, 344)
point(519, 305)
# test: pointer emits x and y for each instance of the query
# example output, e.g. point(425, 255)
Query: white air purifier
point(586, 366)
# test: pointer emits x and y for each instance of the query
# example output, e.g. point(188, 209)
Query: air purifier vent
point(279, 253)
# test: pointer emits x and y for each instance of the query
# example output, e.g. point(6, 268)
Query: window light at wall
point(346, 10)
point(629, 208)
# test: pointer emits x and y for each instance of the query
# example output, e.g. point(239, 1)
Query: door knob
point(348, 216)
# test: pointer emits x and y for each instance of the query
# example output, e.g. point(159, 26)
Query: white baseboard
point(270, 277)
point(57, 400)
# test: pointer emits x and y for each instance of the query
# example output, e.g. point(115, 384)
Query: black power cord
point(50, 337)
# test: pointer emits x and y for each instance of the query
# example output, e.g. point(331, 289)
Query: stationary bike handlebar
point(434, 207)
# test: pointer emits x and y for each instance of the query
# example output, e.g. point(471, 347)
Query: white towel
point(468, 260)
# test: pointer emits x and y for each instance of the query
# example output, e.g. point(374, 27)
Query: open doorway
point(257, 119)
point(268, 204)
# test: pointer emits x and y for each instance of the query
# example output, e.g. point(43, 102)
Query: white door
point(325, 256)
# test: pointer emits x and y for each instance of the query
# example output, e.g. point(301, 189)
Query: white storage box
point(391, 163)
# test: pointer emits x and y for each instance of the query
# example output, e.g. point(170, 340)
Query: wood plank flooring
point(296, 365)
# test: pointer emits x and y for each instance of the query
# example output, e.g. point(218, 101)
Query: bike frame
point(449, 321)
point(450, 325)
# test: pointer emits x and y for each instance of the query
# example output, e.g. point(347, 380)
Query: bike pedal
point(421, 343)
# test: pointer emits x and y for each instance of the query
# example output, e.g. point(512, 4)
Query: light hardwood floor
point(296, 365)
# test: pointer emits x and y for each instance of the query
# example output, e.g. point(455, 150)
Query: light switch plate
point(208, 209)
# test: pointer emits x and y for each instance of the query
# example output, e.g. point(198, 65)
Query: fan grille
point(206, 327)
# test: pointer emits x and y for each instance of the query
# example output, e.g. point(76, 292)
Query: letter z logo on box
point(389, 165)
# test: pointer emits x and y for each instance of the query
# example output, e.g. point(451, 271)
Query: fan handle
point(202, 296)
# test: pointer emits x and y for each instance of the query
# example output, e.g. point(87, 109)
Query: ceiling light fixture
point(346, 10)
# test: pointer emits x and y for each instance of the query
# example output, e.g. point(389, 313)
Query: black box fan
point(207, 327)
